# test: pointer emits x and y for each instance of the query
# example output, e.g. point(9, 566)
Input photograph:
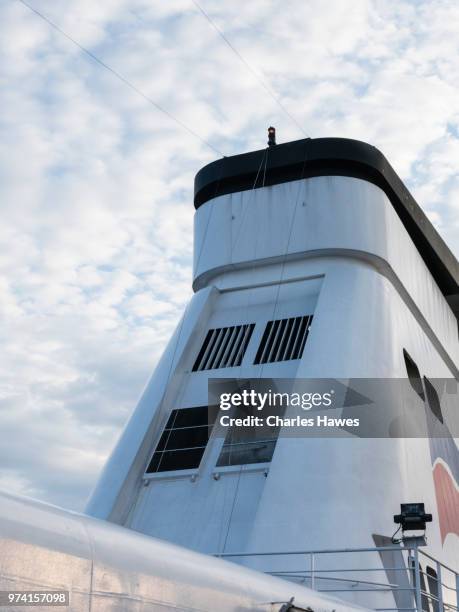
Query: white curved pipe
point(107, 567)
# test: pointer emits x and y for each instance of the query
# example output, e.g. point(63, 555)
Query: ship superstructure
point(311, 260)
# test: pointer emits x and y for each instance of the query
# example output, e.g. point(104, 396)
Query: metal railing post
point(439, 588)
point(417, 580)
point(313, 582)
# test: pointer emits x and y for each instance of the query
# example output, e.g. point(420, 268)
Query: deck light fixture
point(412, 517)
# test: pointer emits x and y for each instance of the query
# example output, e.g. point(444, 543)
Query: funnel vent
point(224, 347)
point(283, 339)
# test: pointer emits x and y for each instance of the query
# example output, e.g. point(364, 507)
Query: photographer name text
point(278, 421)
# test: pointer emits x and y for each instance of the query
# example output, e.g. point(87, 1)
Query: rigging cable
point(121, 78)
point(262, 82)
point(228, 440)
point(301, 186)
point(263, 164)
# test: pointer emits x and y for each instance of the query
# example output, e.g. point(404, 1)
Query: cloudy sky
point(96, 185)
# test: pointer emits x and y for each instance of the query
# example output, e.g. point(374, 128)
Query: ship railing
point(436, 590)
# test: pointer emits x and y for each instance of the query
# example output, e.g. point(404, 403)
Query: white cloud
point(96, 185)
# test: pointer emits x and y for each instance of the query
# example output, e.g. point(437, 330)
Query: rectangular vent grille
point(224, 347)
point(283, 340)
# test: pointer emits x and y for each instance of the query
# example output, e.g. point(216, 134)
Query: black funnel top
point(334, 157)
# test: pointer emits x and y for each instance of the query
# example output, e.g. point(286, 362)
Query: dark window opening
point(224, 347)
point(184, 440)
point(284, 340)
point(424, 595)
point(249, 445)
point(413, 375)
point(433, 400)
point(434, 587)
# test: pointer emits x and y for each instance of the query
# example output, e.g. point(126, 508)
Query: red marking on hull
point(447, 501)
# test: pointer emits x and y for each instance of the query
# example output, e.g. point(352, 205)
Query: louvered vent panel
point(224, 347)
point(284, 340)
